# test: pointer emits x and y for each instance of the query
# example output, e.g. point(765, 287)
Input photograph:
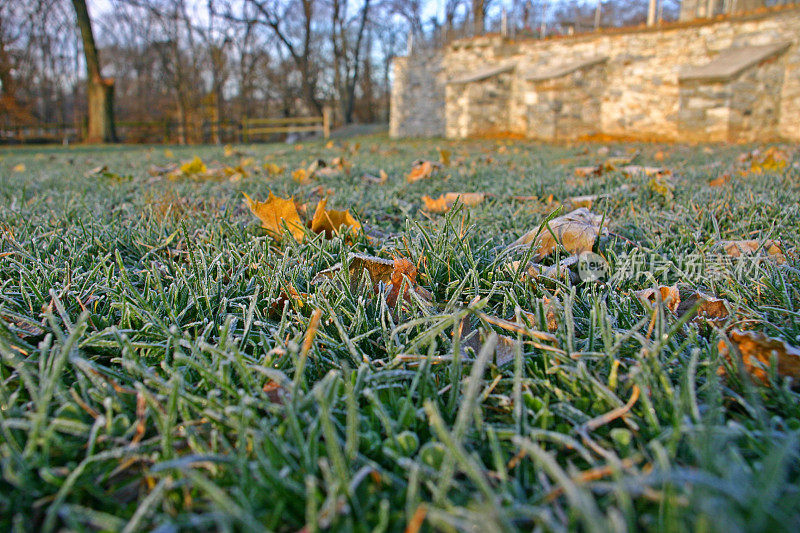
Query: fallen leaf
point(771, 160)
point(168, 153)
point(329, 145)
point(274, 213)
point(273, 169)
point(771, 248)
point(577, 231)
point(96, 171)
point(586, 201)
point(385, 275)
point(25, 328)
point(421, 170)
point(195, 166)
point(534, 271)
point(651, 172)
point(301, 175)
point(710, 309)
point(379, 180)
point(662, 187)
point(275, 392)
point(330, 221)
point(720, 180)
point(585, 172)
point(290, 295)
point(669, 296)
point(20, 167)
point(757, 351)
point(444, 156)
point(445, 202)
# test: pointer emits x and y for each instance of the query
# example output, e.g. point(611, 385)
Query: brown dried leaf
point(712, 310)
point(274, 213)
point(577, 231)
point(330, 221)
point(771, 248)
point(757, 351)
point(383, 273)
point(670, 297)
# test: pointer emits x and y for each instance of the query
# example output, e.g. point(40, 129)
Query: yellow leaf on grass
point(445, 202)
point(195, 166)
point(772, 160)
point(577, 231)
point(168, 153)
point(771, 248)
point(19, 167)
point(273, 169)
point(757, 351)
point(274, 213)
point(301, 175)
point(421, 170)
point(330, 221)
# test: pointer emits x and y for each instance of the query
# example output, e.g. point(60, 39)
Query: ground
point(167, 363)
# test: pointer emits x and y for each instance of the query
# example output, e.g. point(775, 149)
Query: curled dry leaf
point(329, 221)
point(274, 213)
point(668, 295)
point(577, 231)
point(445, 202)
point(771, 248)
point(757, 351)
point(422, 170)
point(710, 309)
point(383, 275)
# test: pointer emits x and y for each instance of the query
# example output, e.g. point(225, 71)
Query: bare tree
point(347, 60)
point(291, 21)
point(100, 90)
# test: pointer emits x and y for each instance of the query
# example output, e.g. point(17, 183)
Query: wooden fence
point(169, 132)
point(268, 126)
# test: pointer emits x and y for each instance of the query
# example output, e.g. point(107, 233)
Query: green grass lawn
point(160, 369)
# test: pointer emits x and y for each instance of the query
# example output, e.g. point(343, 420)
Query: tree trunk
point(100, 90)
point(478, 16)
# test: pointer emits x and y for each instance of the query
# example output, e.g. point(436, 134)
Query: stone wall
point(638, 95)
point(417, 100)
